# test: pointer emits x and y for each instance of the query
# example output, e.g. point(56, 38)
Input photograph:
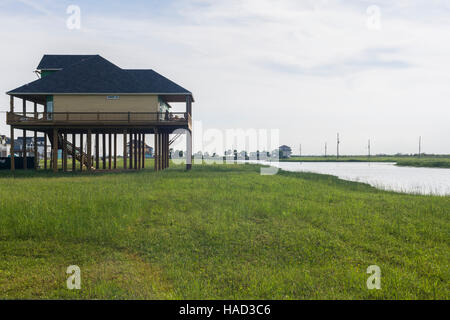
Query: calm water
point(385, 176)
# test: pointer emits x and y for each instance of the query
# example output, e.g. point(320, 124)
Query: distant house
point(148, 151)
point(82, 98)
point(18, 146)
point(285, 151)
point(5, 145)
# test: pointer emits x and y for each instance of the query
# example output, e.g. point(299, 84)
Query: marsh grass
point(410, 161)
point(218, 232)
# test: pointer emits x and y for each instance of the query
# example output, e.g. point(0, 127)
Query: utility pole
point(325, 149)
point(369, 147)
point(337, 146)
point(420, 145)
point(300, 149)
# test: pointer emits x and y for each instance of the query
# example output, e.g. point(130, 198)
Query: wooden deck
point(99, 120)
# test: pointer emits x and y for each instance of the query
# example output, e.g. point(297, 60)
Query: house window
point(49, 107)
point(163, 107)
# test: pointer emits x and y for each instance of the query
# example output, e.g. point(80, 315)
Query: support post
point(24, 149)
point(64, 152)
point(74, 166)
point(189, 105)
point(104, 151)
point(143, 151)
point(24, 137)
point(155, 151)
point(13, 167)
point(81, 151)
point(45, 150)
point(135, 151)
point(109, 151)
point(188, 150)
point(161, 160)
point(55, 150)
point(168, 143)
point(125, 149)
point(168, 151)
point(89, 150)
point(158, 152)
point(165, 151)
point(36, 153)
point(130, 150)
point(139, 150)
point(160, 147)
point(97, 151)
point(115, 150)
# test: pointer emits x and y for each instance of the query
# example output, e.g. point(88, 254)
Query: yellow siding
point(95, 103)
point(99, 103)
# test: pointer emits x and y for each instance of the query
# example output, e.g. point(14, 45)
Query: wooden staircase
point(72, 150)
point(75, 152)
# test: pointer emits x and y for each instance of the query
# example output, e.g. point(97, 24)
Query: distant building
point(88, 96)
point(18, 143)
point(148, 150)
point(5, 145)
point(285, 151)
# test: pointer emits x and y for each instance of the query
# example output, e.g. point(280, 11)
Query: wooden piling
point(64, 146)
point(12, 148)
point(115, 150)
point(97, 151)
point(143, 152)
point(125, 149)
point(135, 151)
point(139, 150)
point(104, 151)
point(74, 165)
point(24, 137)
point(89, 150)
point(55, 150)
point(130, 151)
point(45, 150)
point(81, 151)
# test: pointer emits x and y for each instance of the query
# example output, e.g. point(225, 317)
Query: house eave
point(11, 93)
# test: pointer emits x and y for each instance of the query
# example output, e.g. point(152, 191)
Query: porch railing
point(128, 117)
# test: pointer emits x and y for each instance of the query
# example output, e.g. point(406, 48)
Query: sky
point(373, 70)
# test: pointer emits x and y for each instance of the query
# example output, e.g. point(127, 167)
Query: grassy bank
point(425, 161)
point(218, 232)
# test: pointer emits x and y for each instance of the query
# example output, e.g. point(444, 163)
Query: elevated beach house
point(86, 98)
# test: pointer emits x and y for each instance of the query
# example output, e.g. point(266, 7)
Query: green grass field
point(217, 232)
point(410, 161)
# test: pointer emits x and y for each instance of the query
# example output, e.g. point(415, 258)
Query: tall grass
point(218, 232)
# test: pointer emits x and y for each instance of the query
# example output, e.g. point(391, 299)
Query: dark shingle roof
point(95, 75)
point(154, 82)
point(60, 61)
